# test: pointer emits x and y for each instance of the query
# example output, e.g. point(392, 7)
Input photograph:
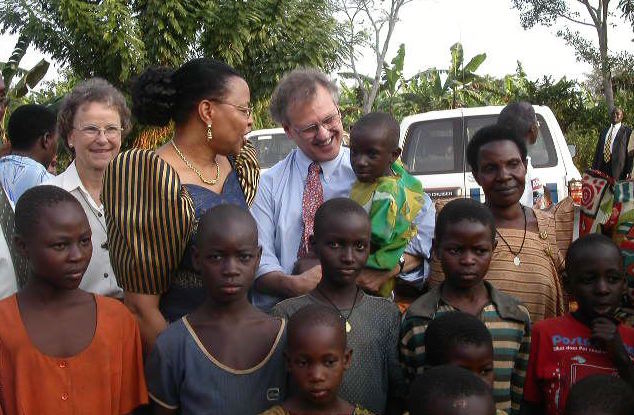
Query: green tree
point(116, 39)
point(594, 14)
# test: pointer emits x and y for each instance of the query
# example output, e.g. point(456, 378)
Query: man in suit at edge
point(613, 155)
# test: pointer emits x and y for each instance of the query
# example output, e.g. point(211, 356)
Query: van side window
point(434, 147)
point(542, 153)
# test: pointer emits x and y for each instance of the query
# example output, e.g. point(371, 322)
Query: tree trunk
point(606, 73)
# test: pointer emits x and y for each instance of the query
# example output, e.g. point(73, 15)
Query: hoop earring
point(210, 135)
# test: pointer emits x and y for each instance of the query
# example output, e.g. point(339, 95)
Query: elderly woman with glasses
point(153, 199)
point(92, 121)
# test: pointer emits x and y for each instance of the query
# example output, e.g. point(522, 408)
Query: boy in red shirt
point(586, 342)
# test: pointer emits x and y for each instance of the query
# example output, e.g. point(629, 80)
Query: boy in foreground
point(317, 357)
point(341, 241)
point(464, 243)
point(588, 341)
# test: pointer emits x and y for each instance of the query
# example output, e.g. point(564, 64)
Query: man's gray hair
point(299, 86)
point(518, 116)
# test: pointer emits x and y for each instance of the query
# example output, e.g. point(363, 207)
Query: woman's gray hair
point(299, 86)
point(92, 90)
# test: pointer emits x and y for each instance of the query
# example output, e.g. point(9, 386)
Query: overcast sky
point(429, 27)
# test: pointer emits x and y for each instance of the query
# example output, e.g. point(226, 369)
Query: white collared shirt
point(99, 277)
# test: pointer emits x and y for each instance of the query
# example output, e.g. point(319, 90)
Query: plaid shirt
point(507, 320)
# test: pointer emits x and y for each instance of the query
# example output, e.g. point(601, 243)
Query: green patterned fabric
point(392, 203)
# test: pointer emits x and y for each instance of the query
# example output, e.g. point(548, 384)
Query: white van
point(272, 145)
point(434, 147)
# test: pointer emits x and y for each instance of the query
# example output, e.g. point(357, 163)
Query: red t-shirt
point(561, 355)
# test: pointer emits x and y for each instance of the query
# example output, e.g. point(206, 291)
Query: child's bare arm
point(606, 335)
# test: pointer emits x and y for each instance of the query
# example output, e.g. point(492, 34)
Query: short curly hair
point(299, 85)
point(92, 90)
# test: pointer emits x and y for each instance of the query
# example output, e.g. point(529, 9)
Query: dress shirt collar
point(327, 167)
point(70, 180)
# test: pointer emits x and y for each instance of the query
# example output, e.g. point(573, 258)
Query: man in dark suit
point(612, 156)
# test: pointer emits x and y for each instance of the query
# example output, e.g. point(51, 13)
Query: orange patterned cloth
point(105, 378)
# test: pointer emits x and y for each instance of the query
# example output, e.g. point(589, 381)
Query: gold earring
point(210, 135)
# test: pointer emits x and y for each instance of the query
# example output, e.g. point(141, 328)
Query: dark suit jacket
point(621, 162)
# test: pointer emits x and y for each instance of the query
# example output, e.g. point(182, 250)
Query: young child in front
point(390, 195)
point(600, 395)
point(587, 341)
point(450, 390)
point(63, 350)
point(317, 357)
point(464, 242)
point(341, 241)
point(226, 357)
point(461, 339)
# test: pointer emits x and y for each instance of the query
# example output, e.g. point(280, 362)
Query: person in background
point(226, 357)
point(8, 280)
point(305, 104)
point(520, 117)
point(612, 155)
point(341, 242)
point(92, 121)
point(317, 357)
point(450, 390)
point(64, 351)
point(390, 195)
point(600, 395)
point(31, 131)
point(587, 341)
point(207, 162)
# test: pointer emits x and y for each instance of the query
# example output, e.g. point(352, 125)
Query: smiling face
point(343, 246)
point(371, 154)
point(617, 115)
point(230, 122)
point(315, 126)
point(501, 172)
point(465, 252)
point(597, 281)
point(227, 260)
point(61, 252)
point(317, 359)
point(95, 151)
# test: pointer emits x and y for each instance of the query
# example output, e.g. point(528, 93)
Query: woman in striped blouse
point(154, 198)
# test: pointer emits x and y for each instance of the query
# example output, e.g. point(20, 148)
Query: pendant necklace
point(516, 260)
point(345, 319)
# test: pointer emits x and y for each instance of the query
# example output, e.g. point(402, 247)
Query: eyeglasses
point(92, 131)
point(311, 131)
point(245, 110)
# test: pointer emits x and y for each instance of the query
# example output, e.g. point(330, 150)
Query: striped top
point(536, 281)
point(150, 216)
point(509, 324)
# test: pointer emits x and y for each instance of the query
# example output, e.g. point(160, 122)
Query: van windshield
point(271, 148)
point(436, 146)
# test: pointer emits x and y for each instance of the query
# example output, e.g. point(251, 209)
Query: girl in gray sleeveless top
point(227, 356)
